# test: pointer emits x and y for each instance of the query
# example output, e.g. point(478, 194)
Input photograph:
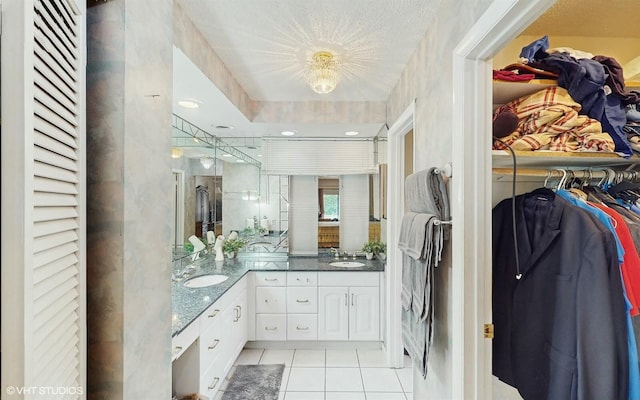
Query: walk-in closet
point(593, 27)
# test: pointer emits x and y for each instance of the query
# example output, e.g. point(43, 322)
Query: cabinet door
point(333, 317)
point(364, 313)
point(239, 327)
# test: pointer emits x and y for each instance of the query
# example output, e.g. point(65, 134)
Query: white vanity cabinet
point(349, 306)
point(271, 305)
point(302, 305)
point(222, 333)
point(311, 306)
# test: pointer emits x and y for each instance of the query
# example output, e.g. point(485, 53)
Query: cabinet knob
point(266, 328)
point(302, 301)
point(271, 279)
point(214, 313)
point(305, 328)
point(214, 344)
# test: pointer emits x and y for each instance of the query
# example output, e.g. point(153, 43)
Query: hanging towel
point(426, 192)
point(413, 234)
point(421, 242)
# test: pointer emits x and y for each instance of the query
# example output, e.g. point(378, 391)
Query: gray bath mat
point(255, 382)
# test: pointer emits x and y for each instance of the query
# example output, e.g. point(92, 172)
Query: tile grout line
point(325, 374)
point(361, 377)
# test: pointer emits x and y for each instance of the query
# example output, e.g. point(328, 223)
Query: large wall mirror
point(221, 189)
point(342, 212)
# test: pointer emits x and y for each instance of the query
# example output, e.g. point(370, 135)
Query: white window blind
point(317, 157)
point(57, 295)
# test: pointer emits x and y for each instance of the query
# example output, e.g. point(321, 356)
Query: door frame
point(395, 212)
point(470, 189)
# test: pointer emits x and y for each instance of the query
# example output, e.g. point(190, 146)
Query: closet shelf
point(559, 159)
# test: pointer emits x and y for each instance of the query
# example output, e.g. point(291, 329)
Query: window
point(330, 208)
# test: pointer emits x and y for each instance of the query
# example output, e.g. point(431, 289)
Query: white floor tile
point(309, 358)
point(277, 357)
point(385, 396)
point(343, 380)
point(406, 378)
point(380, 380)
point(285, 379)
point(372, 358)
point(306, 379)
point(249, 356)
point(344, 396)
point(304, 396)
point(342, 358)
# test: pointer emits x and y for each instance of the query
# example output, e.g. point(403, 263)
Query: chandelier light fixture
point(207, 161)
point(323, 72)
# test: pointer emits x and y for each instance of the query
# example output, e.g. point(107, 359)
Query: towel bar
point(446, 170)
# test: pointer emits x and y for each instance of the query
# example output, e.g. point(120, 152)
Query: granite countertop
point(189, 303)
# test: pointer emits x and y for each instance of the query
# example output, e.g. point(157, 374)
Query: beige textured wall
point(129, 90)
point(428, 78)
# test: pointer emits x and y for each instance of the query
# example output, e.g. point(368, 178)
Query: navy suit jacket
point(560, 330)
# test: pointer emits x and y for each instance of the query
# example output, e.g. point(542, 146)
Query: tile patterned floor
point(334, 374)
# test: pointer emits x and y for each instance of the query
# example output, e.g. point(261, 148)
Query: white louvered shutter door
point(51, 285)
point(57, 293)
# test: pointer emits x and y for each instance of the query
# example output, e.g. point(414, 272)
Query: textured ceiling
point(590, 18)
point(266, 43)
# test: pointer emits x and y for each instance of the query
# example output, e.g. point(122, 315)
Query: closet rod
point(555, 172)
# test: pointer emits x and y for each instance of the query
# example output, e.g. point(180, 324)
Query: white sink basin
point(205, 280)
point(347, 264)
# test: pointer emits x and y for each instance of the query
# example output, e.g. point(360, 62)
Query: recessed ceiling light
point(188, 103)
point(287, 133)
point(226, 155)
point(351, 133)
point(239, 160)
point(258, 155)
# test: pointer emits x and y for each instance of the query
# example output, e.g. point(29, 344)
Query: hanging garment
point(549, 120)
point(560, 330)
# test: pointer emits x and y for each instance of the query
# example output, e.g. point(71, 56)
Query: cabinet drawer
point(183, 340)
point(271, 300)
point(302, 327)
point(271, 278)
point(212, 379)
point(215, 339)
point(214, 312)
point(351, 278)
point(297, 278)
point(271, 327)
point(302, 300)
